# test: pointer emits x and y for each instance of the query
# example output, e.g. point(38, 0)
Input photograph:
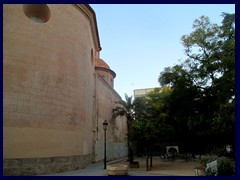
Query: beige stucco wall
point(107, 99)
point(48, 83)
point(39, 142)
point(54, 102)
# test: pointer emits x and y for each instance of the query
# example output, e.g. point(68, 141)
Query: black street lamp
point(105, 124)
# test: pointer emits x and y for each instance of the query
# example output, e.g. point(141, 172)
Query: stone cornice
point(107, 70)
point(91, 16)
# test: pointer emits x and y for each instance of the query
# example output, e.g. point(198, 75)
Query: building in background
point(57, 91)
point(141, 92)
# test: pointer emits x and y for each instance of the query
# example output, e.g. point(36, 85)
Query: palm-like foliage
point(126, 108)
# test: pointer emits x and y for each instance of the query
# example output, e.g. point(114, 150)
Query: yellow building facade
point(55, 95)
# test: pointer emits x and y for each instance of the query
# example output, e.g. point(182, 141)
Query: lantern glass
point(105, 124)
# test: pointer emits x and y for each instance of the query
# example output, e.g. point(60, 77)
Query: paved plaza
point(160, 168)
point(97, 169)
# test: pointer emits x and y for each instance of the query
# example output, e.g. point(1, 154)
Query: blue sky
point(139, 40)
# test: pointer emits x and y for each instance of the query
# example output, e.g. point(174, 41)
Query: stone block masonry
point(38, 166)
point(54, 101)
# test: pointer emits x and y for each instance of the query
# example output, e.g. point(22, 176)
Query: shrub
point(225, 168)
point(210, 172)
point(204, 161)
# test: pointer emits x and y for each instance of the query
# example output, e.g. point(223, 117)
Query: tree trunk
point(130, 145)
point(147, 166)
point(131, 160)
point(151, 159)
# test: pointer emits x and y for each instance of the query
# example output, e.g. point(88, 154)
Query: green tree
point(203, 85)
point(126, 108)
point(151, 125)
point(143, 133)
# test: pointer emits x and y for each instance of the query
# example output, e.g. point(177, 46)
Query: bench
point(210, 167)
point(199, 171)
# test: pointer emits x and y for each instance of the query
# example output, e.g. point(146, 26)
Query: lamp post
point(105, 124)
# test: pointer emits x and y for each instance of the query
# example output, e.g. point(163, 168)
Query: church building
point(57, 91)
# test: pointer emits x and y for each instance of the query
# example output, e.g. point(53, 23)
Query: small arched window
point(39, 13)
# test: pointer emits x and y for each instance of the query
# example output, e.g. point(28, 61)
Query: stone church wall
point(117, 129)
point(48, 89)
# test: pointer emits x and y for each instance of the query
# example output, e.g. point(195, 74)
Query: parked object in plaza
point(117, 170)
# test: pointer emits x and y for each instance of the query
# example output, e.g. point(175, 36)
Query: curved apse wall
point(48, 84)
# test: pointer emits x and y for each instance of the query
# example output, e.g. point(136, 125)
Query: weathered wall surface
point(52, 104)
point(47, 165)
point(117, 129)
point(48, 84)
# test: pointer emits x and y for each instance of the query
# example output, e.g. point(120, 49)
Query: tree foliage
point(126, 108)
point(151, 125)
point(204, 84)
point(196, 104)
